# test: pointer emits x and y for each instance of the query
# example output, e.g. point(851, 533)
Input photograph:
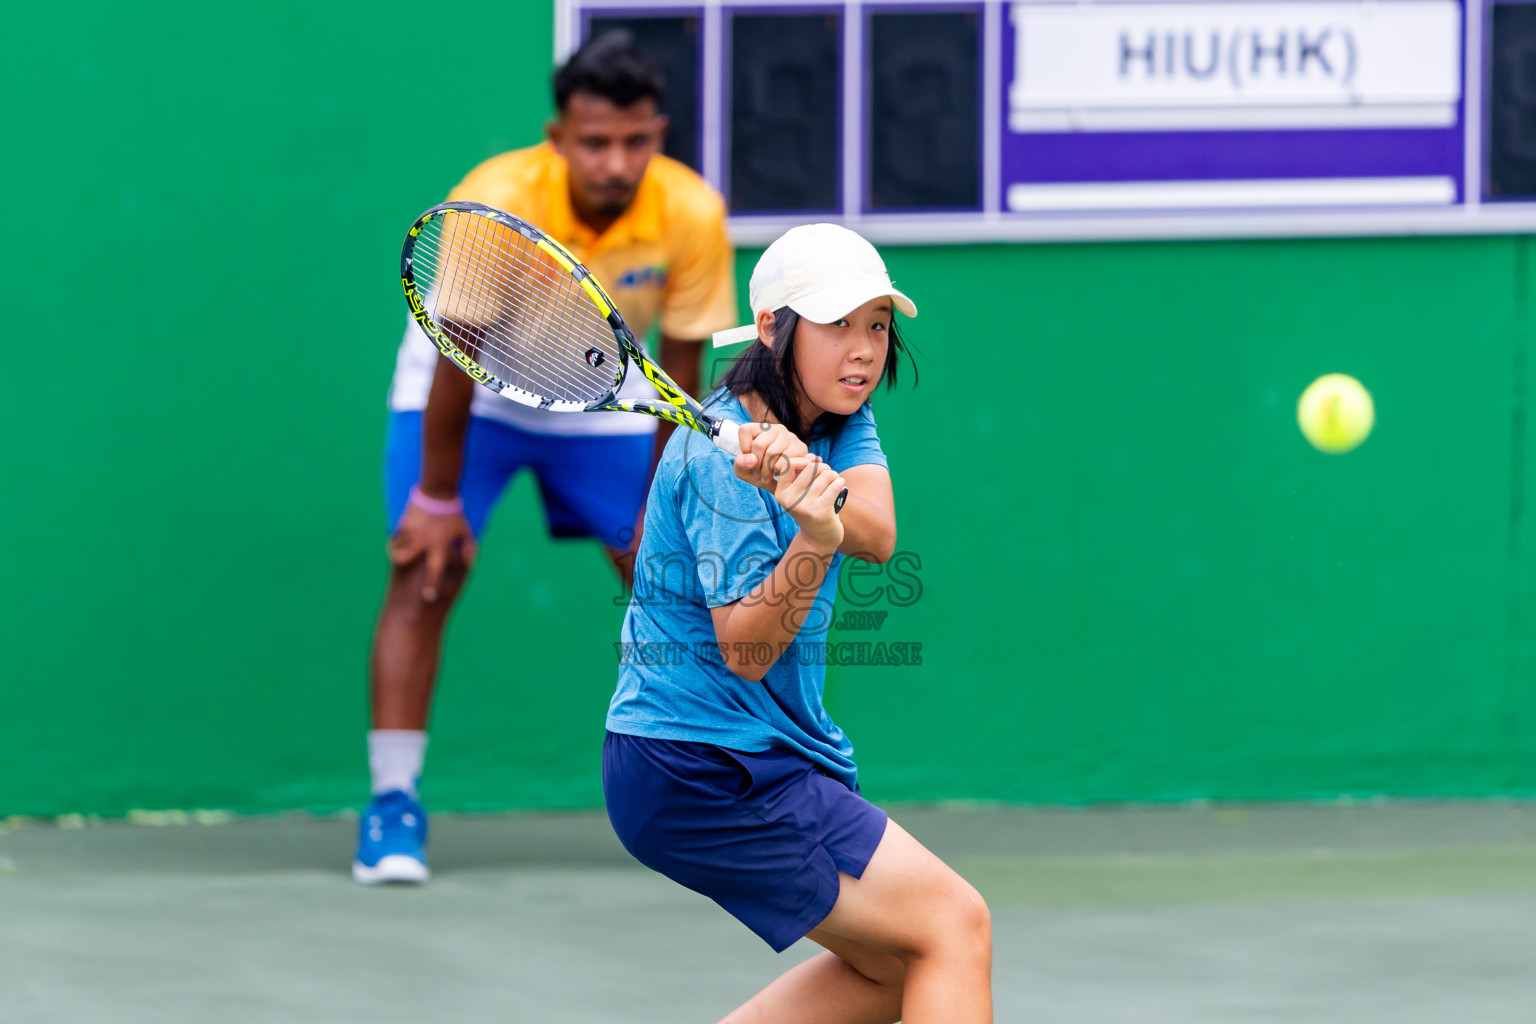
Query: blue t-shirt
point(710, 538)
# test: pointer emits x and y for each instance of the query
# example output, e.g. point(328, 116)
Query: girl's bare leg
point(910, 941)
point(849, 984)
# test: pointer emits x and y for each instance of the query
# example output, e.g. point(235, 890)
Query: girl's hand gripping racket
point(521, 315)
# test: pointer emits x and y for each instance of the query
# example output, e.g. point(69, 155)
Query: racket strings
point(472, 319)
point(525, 334)
point(522, 314)
point(514, 310)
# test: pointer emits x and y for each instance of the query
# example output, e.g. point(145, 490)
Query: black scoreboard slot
point(785, 100)
point(1512, 103)
point(672, 45)
point(925, 125)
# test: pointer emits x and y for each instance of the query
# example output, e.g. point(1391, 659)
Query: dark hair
point(610, 66)
point(771, 374)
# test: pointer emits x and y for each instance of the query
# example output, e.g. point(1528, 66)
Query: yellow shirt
point(666, 261)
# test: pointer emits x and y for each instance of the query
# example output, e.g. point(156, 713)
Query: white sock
point(394, 758)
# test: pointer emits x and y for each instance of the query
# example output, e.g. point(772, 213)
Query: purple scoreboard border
point(1227, 154)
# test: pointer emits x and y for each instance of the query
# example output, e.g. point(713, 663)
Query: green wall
point(1137, 582)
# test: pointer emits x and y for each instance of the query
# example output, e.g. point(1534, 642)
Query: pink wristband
point(436, 506)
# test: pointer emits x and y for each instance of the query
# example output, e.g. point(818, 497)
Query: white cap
point(821, 271)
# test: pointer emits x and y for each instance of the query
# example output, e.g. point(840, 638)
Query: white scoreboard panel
point(987, 120)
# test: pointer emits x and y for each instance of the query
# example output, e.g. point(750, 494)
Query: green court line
point(1051, 882)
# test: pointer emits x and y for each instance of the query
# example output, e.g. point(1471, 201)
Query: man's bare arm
point(444, 423)
point(436, 539)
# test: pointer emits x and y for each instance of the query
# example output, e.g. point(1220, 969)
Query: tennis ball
point(1336, 413)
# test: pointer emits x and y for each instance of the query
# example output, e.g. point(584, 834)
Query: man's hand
point(768, 451)
point(442, 540)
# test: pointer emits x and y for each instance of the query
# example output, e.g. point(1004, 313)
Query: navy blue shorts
point(593, 484)
point(763, 835)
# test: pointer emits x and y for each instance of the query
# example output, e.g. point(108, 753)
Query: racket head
point(513, 309)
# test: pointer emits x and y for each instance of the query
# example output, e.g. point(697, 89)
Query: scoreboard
point(984, 120)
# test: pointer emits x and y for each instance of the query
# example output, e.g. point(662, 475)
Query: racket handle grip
point(727, 436)
point(728, 439)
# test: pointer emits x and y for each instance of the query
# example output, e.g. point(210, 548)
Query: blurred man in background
point(654, 234)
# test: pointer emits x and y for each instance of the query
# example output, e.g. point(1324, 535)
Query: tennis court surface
point(1391, 913)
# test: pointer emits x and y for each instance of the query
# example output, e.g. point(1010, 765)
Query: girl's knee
point(962, 926)
point(973, 919)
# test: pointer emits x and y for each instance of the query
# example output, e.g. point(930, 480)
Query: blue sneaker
point(392, 841)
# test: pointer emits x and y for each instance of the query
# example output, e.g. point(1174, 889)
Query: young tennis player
point(721, 768)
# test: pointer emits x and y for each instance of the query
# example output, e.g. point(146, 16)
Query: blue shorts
point(593, 485)
point(763, 835)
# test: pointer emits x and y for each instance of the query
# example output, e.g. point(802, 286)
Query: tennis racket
point(512, 308)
